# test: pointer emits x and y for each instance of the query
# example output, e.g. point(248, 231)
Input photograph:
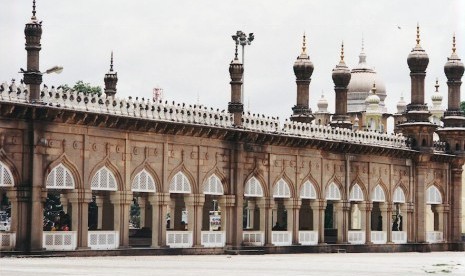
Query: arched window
point(307, 191)
point(433, 195)
point(213, 186)
point(281, 189)
point(332, 192)
point(6, 178)
point(60, 178)
point(356, 194)
point(143, 182)
point(180, 184)
point(253, 188)
point(378, 194)
point(399, 196)
point(103, 180)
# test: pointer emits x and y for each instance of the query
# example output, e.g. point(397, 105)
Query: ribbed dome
point(373, 98)
point(303, 67)
point(454, 66)
point(341, 73)
point(418, 60)
point(363, 77)
point(322, 104)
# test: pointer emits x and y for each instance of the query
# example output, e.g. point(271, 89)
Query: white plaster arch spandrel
point(308, 191)
point(6, 177)
point(60, 177)
point(281, 189)
point(213, 186)
point(253, 188)
point(143, 182)
point(104, 180)
point(180, 184)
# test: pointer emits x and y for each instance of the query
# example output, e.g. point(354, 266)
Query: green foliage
point(85, 88)
point(462, 106)
point(134, 218)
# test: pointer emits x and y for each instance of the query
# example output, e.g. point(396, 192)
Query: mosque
point(206, 180)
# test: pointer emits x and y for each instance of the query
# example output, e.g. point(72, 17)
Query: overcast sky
point(185, 47)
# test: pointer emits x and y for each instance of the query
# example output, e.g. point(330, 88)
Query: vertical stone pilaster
point(366, 207)
point(420, 201)
point(79, 201)
point(386, 213)
point(318, 209)
point(293, 206)
point(266, 208)
point(19, 198)
point(227, 204)
point(99, 203)
point(159, 202)
point(410, 222)
point(121, 201)
point(194, 203)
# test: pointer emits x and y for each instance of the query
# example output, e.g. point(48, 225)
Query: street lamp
point(242, 39)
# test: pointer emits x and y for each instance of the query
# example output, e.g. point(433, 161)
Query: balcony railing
point(253, 238)
point(399, 236)
point(378, 237)
point(213, 239)
point(356, 237)
point(281, 237)
point(308, 237)
point(7, 240)
point(103, 240)
point(179, 239)
point(59, 240)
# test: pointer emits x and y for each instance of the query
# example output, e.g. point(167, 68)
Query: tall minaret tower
point(111, 79)
point(33, 77)
point(303, 69)
point(236, 107)
point(341, 78)
point(418, 127)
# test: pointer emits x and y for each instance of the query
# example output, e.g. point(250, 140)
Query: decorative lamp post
point(242, 39)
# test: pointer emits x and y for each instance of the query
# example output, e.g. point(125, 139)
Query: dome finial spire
point(374, 87)
point(363, 43)
point(437, 85)
point(418, 34)
point(304, 45)
point(342, 51)
point(33, 9)
point(453, 44)
point(111, 62)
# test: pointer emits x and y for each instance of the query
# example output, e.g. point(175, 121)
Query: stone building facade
point(267, 183)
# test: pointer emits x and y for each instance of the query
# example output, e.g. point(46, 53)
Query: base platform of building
point(244, 250)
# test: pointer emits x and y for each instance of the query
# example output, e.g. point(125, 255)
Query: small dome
point(303, 67)
point(341, 73)
point(401, 105)
point(322, 104)
point(373, 98)
point(236, 69)
point(454, 66)
point(436, 98)
point(418, 60)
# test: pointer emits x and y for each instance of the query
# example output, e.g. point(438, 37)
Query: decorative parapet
point(346, 135)
point(196, 114)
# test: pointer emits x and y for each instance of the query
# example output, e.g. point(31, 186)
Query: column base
point(124, 247)
point(269, 244)
point(83, 248)
point(159, 246)
point(322, 243)
point(368, 243)
point(198, 246)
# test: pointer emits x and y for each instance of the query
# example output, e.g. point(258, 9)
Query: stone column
point(386, 211)
point(79, 200)
point(19, 198)
point(142, 202)
point(159, 202)
point(99, 203)
point(420, 201)
point(342, 220)
point(365, 209)
point(442, 219)
point(227, 204)
point(251, 210)
point(121, 201)
point(456, 202)
point(266, 204)
point(64, 202)
point(293, 206)
point(409, 224)
point(194, 203)
point(318, 209)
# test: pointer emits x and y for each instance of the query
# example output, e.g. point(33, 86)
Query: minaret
point(341, 78)
point(33, 77)
point(303, 69)
point(236, 107)
point(418, 127)
point(111, 79)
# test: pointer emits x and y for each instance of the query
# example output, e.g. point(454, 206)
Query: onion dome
point(436, 98)
point(33, 29)
point(236, 69)
point(341, 74)
point(401, 105)
point(373, 98)
point(303, 67)
point(454, 66)
point(111, 79)
point(418, 59)
point(322, 104)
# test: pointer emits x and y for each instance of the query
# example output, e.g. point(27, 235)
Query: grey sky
point(185, 47)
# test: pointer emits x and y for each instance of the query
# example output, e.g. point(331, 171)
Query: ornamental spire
point(453, 44)
point(342, 51)
point(304, 45)
point(33, 10)
point(418, 34)
point(437, 85)
point(111, 62)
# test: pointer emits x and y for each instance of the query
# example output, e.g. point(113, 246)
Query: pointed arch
point(104, 180)
point(398, 195)
point(60, 178)
point(180, 184)
point(189, 179)
point(151, 173)
point(213, 186)
point(378, 194)
point(62, 167)
point(333, 192)
point(281, 189)
point(143, 182)
point(308, 191)
point(356, 193)
point(253, 188)
point(6, 176)
point(222, 179)
point(433, 195)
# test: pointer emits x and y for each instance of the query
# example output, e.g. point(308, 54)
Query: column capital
point(227, 200)
point(121, 197)
point(385, 207)
point(195, 199)
point(79, 195)
point(366, 206)
point(292, 203)
point(318, 204)
point(410, 207)
point(19, 194)
point(265, 202)
point(159, 199)
point(443, 208)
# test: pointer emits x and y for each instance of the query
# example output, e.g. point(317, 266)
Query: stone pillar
point(386, 213)
point(64, 202)
point(251, 209)
point(420, 201)
point(342, 220)
point(365, 209)
point(39, 195)
point(121, 201)
point(194, 203)
point(99, 203)
point(159, 202)
point(142, 202)
point(227, 203)
point(19, 198)
point(456, 202)
point(318, 209)
point(410, 222)
point(236, 172)
point(79, 201)
point(293, 206)
point(266, 208)
point(441, 211)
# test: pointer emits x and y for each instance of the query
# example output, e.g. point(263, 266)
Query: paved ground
point(451, 263)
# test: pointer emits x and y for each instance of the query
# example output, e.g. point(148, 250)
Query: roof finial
point(363, 44)
point(111, 62)
point(304, 46)
point(374, 87)
point(437, 85)
point(235, 54)
point(342, 51)
point(418, 34)
point(453, 44)
point(33, 9)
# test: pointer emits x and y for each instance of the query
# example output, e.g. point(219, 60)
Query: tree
point(85, 88)
point(462, 106)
